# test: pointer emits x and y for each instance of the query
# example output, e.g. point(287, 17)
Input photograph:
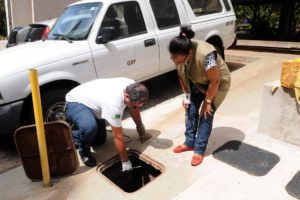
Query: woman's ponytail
point(186, 31)
point(182, 43)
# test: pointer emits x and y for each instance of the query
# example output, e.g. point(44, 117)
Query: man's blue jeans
point(197, 129)
point(84, 126)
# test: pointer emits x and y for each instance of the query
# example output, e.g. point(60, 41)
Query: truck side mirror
point(104, 35)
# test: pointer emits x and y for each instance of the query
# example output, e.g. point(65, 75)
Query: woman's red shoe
point(197, 159)
point(182, 148)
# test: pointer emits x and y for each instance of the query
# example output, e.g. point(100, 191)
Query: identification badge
point(117, 116)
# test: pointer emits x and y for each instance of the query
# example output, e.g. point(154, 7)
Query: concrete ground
point(237, 119)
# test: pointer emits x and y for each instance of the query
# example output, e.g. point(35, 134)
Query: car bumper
point(10, 116)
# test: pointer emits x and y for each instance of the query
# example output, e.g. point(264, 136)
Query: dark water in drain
point(134, 179)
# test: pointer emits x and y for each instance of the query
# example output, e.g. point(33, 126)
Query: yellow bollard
point(37, 107)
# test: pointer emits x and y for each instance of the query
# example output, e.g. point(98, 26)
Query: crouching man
point(91, 102)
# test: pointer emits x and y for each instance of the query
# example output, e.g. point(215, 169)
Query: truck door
point(132, 51)
point(168, 23)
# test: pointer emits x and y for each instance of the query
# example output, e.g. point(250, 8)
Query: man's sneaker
point(86, 157)
point(89, 161)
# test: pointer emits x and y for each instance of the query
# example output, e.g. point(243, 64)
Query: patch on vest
point(117, 116)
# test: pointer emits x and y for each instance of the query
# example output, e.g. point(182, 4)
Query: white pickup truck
point(104, 38)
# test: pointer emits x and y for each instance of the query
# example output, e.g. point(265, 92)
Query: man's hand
point(126, 166)
point(143, 134)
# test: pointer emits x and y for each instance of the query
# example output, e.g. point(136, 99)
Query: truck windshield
point(76, 22)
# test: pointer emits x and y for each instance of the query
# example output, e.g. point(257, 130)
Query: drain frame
point(131, 153)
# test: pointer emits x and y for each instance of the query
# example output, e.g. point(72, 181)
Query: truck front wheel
point(53, 103)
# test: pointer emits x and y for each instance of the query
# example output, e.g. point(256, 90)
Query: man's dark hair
point(137, 92)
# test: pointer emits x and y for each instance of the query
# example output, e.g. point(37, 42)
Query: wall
point(21, 12)
point(53, 9)
point(24, 12)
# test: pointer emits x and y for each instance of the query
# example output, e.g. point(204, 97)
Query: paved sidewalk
point(237, 119)
point(265, 43)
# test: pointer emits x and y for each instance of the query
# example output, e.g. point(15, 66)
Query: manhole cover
point(245, 157)
point(293, 187)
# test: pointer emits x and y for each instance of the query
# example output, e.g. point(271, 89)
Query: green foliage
point(2, 20)
point(262, 21)
point(296, 18)
point(258, 21)
point(295, 26)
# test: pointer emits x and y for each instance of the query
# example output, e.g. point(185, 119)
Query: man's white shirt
point(105, 97)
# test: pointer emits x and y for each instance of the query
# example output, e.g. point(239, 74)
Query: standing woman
point(205, 80)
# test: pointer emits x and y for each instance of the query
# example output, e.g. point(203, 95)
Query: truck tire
point(53, 103)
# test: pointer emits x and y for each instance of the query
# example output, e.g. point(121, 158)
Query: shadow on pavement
point(220, 136)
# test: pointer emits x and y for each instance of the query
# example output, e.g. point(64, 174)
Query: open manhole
point(144, 171)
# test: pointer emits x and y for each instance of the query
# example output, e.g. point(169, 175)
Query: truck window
point(203, 7)
point(76, 22)
point(227, 6)
point(165, 13)
point(126, 19)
